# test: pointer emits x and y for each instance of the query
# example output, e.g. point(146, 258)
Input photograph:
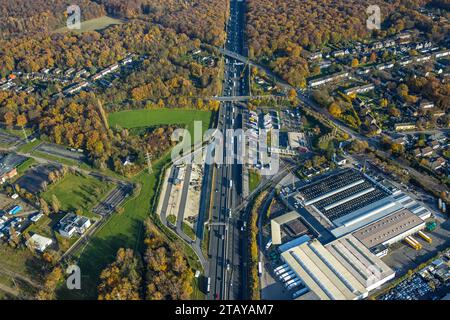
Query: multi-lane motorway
point(225, 247)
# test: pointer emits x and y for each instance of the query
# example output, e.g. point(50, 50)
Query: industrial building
point(341, 270)
point(379, 235)
point(72, 224)
point(342, 223)
point(286, 225)
point(38, 242)
point(349, 200)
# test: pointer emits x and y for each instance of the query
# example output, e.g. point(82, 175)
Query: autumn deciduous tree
point(56, 205)
point(51, 281)
point(122, 279)
point(21, 120)
point(9, 118)
point(397, 148)
point(44, 206)
point(335, 110)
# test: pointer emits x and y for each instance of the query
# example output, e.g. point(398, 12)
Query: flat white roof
point(341, 270)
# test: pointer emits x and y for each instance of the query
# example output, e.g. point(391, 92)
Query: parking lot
point(411, 289)
point(7, 139)
point(61, 152)
point(402, 257)
point(34, 179)
point(113, 200)
point(290, 120)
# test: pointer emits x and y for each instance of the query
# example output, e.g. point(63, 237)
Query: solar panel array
point(330, 183)
point(337, 181)
point(353, 205)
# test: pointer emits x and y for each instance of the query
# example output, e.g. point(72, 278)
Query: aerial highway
point(225, 247)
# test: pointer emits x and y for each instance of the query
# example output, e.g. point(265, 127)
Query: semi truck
point(413, 243)
point(208, 287)
point(280, 267)
point(281, 271)
point(425, 237)
point(293, 285)
point(298, 293)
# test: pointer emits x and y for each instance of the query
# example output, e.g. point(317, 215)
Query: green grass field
point(25, 165)
point(149, 118)
point(76, 191)
point(187, 229)
point(254, 180)
point(28, 147)
point(124, 230)
point(93, 24)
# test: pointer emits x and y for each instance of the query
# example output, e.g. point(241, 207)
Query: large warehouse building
point(348, 200)
point(344, 269)
point(360, 216)
point(389, 230)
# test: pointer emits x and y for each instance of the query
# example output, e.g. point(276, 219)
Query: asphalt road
point(225, 247)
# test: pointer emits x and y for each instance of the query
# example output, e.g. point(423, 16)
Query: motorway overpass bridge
point(246, 98)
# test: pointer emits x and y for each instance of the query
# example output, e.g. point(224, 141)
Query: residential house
point(424, 105)
point(437, 164)
point(359, 89)
point(434, 145)
point(8, 165)
point(404, 126)
point(427, 152)
point(417, 152)
point(324, 80)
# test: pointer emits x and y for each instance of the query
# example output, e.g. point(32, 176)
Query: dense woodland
point(280, 31)
point(168, 77)
point(122, 279)
point(202, 19)
point(25, 17)
point(168, 275)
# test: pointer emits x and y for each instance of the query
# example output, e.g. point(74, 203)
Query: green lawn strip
point(28, 147)
point(78, 191)
point(16, 132)
point(20, 260)
point(254, 179)
point(47, 156)
point(205, 243)
point(171, 218)
point(25, 165)
point(187, 229)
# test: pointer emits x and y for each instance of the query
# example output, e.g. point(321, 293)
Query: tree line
point(161, 273)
